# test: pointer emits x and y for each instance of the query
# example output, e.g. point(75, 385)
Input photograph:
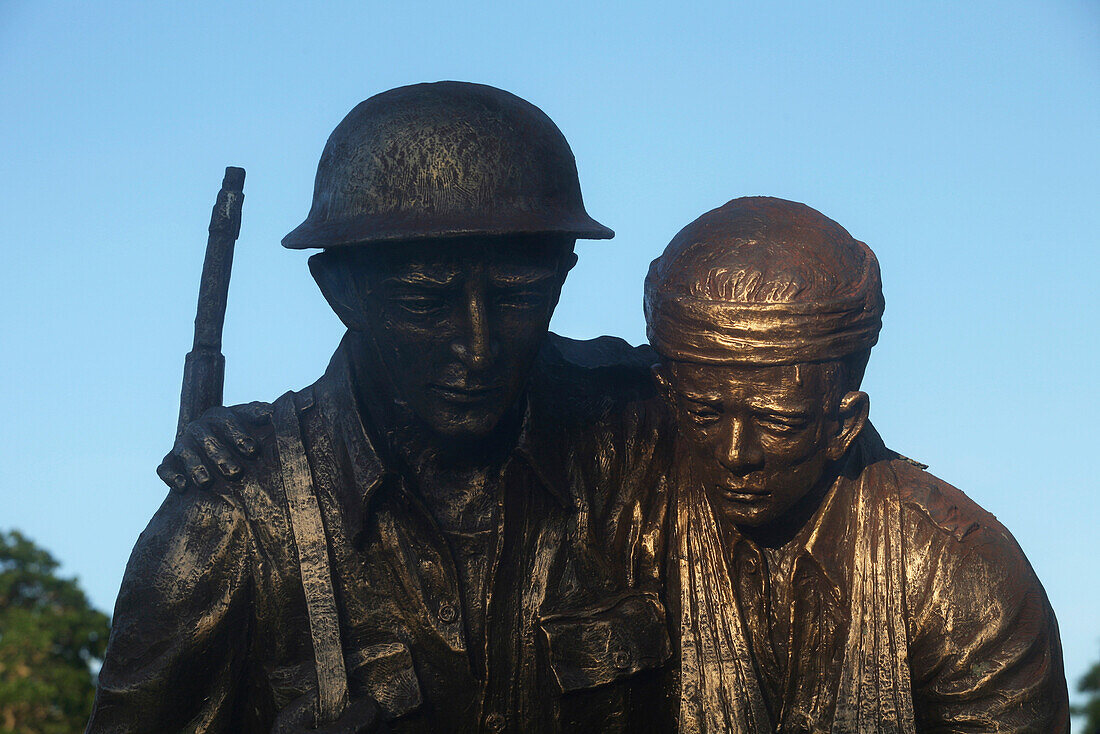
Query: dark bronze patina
point(824, 582)
point(204, 367)
point(470, 524)
point(444, 160)
point(446, 532)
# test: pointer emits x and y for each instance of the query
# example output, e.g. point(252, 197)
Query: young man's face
point(759, 438)
point(458, 324)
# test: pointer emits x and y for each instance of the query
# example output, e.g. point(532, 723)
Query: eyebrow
point(700, 397)
point(499, 279)
point(783, 410)
point(442, 280)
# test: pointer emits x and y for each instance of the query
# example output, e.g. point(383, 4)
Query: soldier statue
point(824, 582)
point(444, 532)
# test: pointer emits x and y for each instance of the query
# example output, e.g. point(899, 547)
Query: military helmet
point(448, 159)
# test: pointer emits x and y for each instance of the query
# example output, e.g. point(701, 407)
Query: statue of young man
point(825, 583)
point(444, 532)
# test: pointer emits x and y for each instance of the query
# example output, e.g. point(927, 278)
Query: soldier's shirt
point(211, 631)
point(973, 639)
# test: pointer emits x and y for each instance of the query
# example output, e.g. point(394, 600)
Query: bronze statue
point(469, 524)
point(824, 582)
point(446, 532)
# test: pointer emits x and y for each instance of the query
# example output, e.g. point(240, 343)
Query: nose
point(738, 450)
point(474, 345)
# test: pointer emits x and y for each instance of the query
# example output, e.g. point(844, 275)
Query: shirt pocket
point(598, 646)
point(385, 671)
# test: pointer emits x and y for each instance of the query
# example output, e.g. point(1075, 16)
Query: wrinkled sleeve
point(180, 624)
point(985, 655)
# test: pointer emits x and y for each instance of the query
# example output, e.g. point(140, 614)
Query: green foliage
point(50, 637)
point(1090, 684)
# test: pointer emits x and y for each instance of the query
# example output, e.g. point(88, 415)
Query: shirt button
point(447, 612)
point(495, 721)
point(621, 659)
point(750, 565)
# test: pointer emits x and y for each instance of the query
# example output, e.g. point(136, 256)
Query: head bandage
point(685, 327)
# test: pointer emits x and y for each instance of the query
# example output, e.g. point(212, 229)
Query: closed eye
point(522, 300)
point(420, 305)
point(782, 423)
point(701, 413)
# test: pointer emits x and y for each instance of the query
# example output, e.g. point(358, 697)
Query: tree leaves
point(51, 639)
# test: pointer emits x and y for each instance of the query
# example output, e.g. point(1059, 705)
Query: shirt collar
point(829, 540)
point(825, 540)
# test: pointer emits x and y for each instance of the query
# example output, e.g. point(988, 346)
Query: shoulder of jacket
point(939, 513)
point(593, 377)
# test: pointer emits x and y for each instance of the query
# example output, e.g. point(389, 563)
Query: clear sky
point(961, 141)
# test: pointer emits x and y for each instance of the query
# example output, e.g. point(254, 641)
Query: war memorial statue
point(470, 524)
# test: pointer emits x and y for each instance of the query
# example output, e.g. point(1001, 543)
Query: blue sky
point(959, 140)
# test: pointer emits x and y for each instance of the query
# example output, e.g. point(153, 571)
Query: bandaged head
point(763, 281)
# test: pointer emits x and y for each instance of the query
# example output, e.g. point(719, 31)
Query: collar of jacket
point(825, 541)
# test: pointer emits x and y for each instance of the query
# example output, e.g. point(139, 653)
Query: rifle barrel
point(204, 366)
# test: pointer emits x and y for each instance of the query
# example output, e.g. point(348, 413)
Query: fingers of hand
point(211, 448)
point(169, 472)
point(191, 461)
point(231, 425)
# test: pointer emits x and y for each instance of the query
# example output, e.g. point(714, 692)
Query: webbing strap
point(310, 540)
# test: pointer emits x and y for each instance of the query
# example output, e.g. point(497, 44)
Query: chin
point(464, 426)
point(750, 518)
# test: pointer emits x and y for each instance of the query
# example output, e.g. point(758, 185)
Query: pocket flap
point(386, 672)
point(591, 648)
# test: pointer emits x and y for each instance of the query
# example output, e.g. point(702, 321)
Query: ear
point(340, 289)
point(851, 417)
point(569, 260)
point(660, 377)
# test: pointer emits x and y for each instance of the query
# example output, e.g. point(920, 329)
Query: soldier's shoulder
point(196, 523)
point(606, 369)
point(602, 352)
point(594, 386)
point(940, 520)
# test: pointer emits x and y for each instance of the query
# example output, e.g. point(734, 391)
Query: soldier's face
point(758, 438)
point(458, 326)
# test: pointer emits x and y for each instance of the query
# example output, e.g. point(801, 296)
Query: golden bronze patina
point(824, 582)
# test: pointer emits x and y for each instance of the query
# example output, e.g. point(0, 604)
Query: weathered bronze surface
point(444, 160)
point(447, 531)
point(469, 524)
point(824, 582)
point(204, 366)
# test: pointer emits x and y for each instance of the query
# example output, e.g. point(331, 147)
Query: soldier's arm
point(984, 649)
point(175, 656)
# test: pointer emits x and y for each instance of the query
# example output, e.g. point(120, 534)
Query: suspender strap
point(309, 537)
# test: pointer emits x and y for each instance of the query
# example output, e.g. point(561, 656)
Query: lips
point(463, 393)
point(745, 494)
